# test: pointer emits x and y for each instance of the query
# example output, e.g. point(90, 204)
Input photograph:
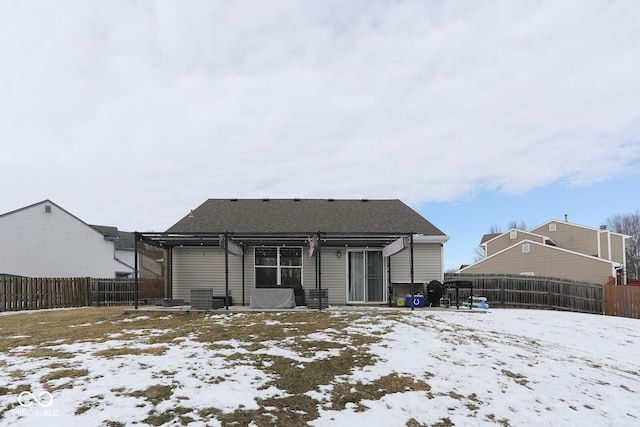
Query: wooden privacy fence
point(107, 292)
point(535, 292)
point(26, 293)
point(622, 301)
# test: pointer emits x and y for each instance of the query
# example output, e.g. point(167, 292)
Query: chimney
point(566, 217)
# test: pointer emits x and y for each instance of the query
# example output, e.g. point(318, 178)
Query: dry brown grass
point(241, 336)
point(130, 351)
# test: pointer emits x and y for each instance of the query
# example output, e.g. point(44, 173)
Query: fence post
point(2, 293)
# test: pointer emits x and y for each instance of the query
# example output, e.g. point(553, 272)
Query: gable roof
point(585, 227)
point(304, 216)
point(548, 248)
point(45, 203)
point(122, 239)
point(489, 236)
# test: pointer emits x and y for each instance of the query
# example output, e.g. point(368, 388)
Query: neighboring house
point(555, 249)
point(44, 240)
point(124, 245)
point(358, 250)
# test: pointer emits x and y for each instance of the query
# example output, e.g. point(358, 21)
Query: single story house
point(45, 240)
point(555, 249)
point(360, 251)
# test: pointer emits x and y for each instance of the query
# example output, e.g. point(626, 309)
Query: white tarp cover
point(396, 246)
point(234, 248)
point(273, 298)
point(313, 245)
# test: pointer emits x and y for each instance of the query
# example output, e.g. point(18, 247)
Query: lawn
point(100, 366)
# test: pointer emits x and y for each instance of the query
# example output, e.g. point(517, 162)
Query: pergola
point(235, 243)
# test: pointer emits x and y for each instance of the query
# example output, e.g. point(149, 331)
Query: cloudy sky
point(475, 113)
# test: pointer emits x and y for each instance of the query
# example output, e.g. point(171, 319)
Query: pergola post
point(226, 270)
point(411, 267)
point(243, 279)
point(136, 296)
point(319, 271)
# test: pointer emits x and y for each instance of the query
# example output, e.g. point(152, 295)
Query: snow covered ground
point(503, 367)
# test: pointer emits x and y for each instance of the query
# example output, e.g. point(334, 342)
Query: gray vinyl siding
point(203, 267)
point(545, 261)
point(617, 248)
point(504, 241)
point(334, 274)
point(427, 264)
point(572, 237)
point(604, 245)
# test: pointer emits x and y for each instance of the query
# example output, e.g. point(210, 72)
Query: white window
point(552, 226)
point(526, 248)
point(278, 266)
point(513, 234)
point(527, 273)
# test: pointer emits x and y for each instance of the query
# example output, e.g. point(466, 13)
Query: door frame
point(384, 283)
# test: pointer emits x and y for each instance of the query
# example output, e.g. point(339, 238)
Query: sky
point(475, 113)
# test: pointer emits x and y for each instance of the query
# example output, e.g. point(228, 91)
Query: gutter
point(421, 238)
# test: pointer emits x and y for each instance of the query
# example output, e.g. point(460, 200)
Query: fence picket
point(622, 301)
point(107, 292)
point(557, 294)
point(25, 293)
point(536, 292)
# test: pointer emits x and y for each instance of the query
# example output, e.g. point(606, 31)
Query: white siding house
point(44, 240)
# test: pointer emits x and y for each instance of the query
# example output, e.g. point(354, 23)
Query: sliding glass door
point(366, 276)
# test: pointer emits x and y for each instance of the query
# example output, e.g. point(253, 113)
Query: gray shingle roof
point(304, 216)
point(489, 236)
point(123, 239)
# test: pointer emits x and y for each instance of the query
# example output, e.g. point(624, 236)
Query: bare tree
point(518, 225)
point(479, 253)
point(629, 224)
point(495, 229)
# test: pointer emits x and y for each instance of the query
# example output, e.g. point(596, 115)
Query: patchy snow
point(134, 319)
point(503, 367)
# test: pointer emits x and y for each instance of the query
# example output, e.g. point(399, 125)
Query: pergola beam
point(234, 242)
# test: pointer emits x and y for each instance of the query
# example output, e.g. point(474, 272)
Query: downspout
point(442, 261)
point(226, 270)
point(319, 260)
point(169, 273)
point(115, 250)
point(389, 283)
point(625, 267)
point(411, 267)
point(135, 270)
point(243, 290)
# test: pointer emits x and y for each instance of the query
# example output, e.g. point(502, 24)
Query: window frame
point(291, 264)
